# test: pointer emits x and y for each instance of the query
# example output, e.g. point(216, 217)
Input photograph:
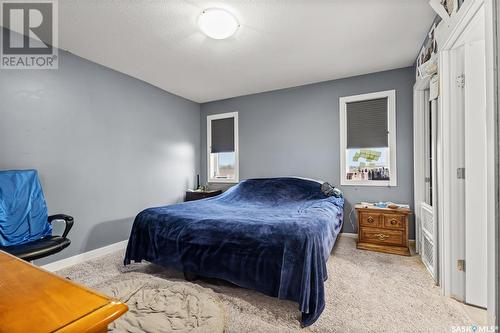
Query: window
point(222, 148)
point(368, 139)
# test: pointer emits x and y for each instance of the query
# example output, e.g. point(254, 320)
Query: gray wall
point(106, 145)
point(296, 132)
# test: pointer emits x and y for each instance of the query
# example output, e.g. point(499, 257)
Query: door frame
point(448, 37)
point(419, 101)
point(494, 314)
point(420, 109)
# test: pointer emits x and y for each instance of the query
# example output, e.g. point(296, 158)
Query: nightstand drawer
point(382, 236)
point(369, 220)
point(394, 221)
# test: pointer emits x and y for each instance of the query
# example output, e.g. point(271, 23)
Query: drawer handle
point(370, 219)
point(394, 222)
point(381, 236)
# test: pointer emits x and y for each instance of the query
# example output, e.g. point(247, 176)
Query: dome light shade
point(217, 23)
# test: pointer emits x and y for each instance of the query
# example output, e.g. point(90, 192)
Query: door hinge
point(460, 173)
point(461, 81)
point(461, 265)
point(427, 179)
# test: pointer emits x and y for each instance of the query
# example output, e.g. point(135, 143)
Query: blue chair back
point(23, 211)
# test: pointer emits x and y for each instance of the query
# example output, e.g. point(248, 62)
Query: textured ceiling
point(280, 44)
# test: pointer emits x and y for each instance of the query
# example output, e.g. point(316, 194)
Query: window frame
point(391, 119)
point(236, 147)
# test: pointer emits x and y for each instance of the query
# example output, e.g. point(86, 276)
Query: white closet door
point(428, 211)
point(429, 240)
point(457, 186)
point(475, 175)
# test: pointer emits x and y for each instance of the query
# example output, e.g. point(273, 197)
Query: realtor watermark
point(29, 34)
point(473, 329)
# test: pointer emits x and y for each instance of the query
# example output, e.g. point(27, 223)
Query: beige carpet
point(365, 292)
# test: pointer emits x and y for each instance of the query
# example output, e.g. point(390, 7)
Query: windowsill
point(368, 183)
point(223, 181)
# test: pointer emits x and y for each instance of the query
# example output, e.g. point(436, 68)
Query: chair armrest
point(66, 218)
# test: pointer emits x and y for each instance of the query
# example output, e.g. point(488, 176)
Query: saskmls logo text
point(29, 34)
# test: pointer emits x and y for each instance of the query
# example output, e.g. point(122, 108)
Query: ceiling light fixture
point(217, 23)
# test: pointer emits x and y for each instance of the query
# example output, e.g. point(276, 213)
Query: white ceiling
point(280, 44)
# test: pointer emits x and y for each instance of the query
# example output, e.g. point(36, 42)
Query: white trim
point(448, 34)
point(421, 133)
point(391, 115)
point(493, 28)
point(236, 146)
point(492, 34)
point(79, 258)
point(448, 161)
point(449, 37)
point(349, 234)
point(419, 105)
point(418, 149)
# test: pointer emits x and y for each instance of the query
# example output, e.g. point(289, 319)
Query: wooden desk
point(34, 300)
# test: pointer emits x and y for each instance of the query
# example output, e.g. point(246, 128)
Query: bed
point(271, 235)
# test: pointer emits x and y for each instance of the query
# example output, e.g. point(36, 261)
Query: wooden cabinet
point(383, 229)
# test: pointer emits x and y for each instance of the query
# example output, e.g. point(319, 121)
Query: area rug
point(162, 306)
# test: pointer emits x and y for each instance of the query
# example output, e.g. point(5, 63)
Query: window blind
point(222, 135)
point(367, 123)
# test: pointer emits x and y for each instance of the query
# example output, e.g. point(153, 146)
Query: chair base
point(38, 249)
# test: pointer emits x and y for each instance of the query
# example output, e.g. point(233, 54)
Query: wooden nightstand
point(197, 195)
point(383, 229)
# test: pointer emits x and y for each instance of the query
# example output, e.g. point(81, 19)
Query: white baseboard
point(79, 258)
point(349, 234)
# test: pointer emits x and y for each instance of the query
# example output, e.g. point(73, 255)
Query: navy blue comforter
point(271, 235)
